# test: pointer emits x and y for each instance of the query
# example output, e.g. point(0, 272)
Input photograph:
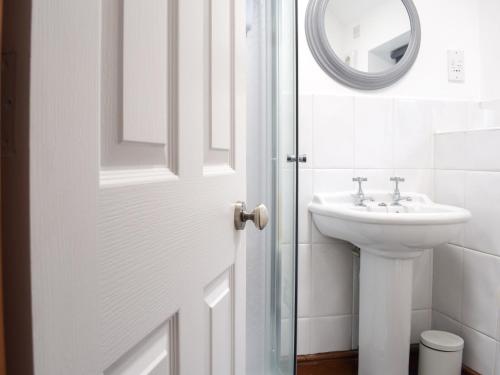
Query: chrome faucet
point(360, 197)
point(396, 196)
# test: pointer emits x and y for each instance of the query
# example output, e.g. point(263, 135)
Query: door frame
point(15, 229)
point(2, 337)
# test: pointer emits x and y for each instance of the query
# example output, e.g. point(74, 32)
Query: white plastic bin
point(440, 353)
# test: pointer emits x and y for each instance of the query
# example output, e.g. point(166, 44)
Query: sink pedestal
point(385, 311)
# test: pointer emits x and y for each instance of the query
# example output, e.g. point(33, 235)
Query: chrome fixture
point(359, 197)
point(293, 158)
point(396, 196)
point(259, 216)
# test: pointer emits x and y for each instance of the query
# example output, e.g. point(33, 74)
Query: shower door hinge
point(294, 158)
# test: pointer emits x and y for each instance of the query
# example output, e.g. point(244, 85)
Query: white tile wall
point(454, 115)
point(332, 280)
point(497, 365)
point(448, 280)
point(458, 287)
point(333, 132)
point(449, 150)
point(481, 287)
point(413, 136)
point(479, 351)
point(444, 323)
point(420, 321)
point(466, 288)
point(303, 336)
point(306, 129)
point(305, 197)
point(373, 133)
point(482, 233)
point(330, 334)
point(422, 282)
point(346, 137)
point(482, 150)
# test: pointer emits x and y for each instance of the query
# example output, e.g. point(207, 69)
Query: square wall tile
point(355, 332)
point(442, 322)
point(333, 131)
point(304, 281)
point(422, 281)
point(373, 133)
point(330, 334)
point(481, 198)
point(448, 280)
point(497, 366)
point(449, 187)
point(306, 129)
point(331, 279)
point(490, 111)
point(417, 181)
point(482, 148)
point(303, 336)
point(449, 150)
point(332, 180)
point(453, 115)
point(305, 197)
point(481, 288)
point(479, 351)
point(413, 134)
point(421, 320)
point(319, 238)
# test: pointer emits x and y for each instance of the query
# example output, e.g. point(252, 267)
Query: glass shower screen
point(285, 176)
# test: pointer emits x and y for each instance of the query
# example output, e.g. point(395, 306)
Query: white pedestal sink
point(389, 237)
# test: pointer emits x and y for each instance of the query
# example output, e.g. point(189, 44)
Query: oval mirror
point(365, 44)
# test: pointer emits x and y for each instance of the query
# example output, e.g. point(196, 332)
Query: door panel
point(137, 157)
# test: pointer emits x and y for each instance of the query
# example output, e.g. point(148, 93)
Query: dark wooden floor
point(346, 363)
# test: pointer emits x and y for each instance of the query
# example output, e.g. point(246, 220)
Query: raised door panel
point(219, 127)
point(139, 96)
point(145, 71)
point(156, 354)
point(219, 299)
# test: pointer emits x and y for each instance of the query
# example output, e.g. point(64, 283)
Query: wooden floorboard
point(346, 363)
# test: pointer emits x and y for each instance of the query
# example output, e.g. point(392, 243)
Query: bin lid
point(440, 340)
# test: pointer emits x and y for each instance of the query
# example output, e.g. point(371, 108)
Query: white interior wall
point(489, 11)
point(391, 131)
point(466, 288)
point(447, 24)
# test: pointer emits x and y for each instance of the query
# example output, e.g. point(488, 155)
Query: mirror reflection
point(368, 35)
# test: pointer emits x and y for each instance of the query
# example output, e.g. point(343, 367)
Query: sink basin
point(396, 231)
point(390, 237)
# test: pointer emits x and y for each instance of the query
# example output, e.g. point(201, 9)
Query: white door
point(137, 158)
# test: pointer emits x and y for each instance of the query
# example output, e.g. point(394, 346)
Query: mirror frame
point(346, 75)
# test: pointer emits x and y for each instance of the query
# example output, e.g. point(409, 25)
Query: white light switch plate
point(456, 66)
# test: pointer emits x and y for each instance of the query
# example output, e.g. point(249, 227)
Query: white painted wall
point(489, 30)
point(446, 24)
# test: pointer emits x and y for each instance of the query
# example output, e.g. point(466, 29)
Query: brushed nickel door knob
point(259, 216)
